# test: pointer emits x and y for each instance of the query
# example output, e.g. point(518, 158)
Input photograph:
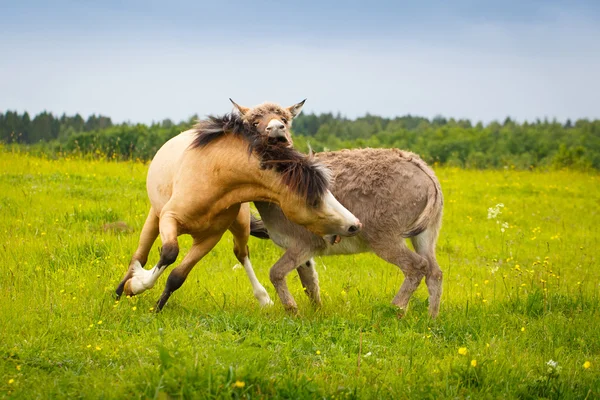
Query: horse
point(197, 184)
point(395, 195)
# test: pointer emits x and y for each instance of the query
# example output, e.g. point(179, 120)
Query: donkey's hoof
point(291, 309)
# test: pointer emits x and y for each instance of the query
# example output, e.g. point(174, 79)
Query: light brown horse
point(395, 194)
point(198, 181)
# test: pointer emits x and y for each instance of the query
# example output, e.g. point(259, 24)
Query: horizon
point(335, 115)
point(147, 61)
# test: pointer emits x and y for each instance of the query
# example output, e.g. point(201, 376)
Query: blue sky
point(150, 60)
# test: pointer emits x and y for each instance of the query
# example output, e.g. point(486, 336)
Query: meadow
point(519, 317)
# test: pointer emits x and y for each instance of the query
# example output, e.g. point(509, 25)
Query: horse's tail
point(257, 228)
point(431, 216)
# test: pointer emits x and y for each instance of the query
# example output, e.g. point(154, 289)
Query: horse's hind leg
point(142, 279)
point(310, 281)
point(424, 244)
point(240, 228)
point(179, 274)
point(412, 265)
point(140, 257)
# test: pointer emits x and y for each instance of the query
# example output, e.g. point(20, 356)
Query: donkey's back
point(394, 191)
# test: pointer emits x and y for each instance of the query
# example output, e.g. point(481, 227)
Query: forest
point(444, 141)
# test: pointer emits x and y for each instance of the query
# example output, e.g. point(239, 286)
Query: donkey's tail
point(257, 228)
point(431, 217)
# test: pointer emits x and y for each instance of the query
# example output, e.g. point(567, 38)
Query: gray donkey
point(395, 195)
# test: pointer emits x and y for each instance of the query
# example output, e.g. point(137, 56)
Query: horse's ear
point(241, 109)
point(296, 108)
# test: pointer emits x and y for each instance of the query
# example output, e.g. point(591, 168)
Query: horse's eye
point(284, 120)
point(256, 123)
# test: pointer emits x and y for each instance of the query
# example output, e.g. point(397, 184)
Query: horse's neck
point(225, 174)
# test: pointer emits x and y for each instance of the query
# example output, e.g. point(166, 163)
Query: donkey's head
point(271, 119)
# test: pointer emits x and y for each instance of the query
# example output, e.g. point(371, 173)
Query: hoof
point(140, 281)
point(291, 309)
point(266, 303)
point(127, 290)
point(263, 298)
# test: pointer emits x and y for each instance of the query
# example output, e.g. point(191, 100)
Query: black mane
point(301, 173)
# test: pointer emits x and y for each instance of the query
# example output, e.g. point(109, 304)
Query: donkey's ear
point(241, 109)
point(296, 108)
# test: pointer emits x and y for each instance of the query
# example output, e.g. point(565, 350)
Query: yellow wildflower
point(11, 381)
point(473, 363)
point(98, 348)
point(134, 308)
point(587, 364)
point(100, 322)
point(18, 367)
point(523, 329)
point(318, 352)
point(462, 351)
point(239, 384)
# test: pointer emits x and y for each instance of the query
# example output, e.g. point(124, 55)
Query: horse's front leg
point(288, 262)
point(240, 228)
point(140, 257)
point(143, 279)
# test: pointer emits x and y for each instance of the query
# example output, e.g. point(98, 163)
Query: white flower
point(552, 364)
point(236, 266)
point(493, 212)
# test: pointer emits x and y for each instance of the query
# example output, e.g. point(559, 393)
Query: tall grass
point(519, 312)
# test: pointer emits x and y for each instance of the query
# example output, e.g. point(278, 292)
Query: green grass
point(514, 300)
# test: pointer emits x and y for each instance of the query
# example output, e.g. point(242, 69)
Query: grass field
point(519, 319)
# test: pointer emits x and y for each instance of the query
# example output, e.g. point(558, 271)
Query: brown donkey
point(197, 183)
point(395, 195)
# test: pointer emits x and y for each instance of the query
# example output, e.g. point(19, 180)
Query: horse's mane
point(301, 173)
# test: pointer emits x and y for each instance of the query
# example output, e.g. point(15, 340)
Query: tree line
point(539, 143)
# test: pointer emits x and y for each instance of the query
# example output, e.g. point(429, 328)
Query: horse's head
point(271, 119)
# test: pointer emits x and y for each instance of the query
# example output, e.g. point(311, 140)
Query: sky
point(146, 60)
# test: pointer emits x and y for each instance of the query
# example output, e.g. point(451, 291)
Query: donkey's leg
point(310, 281)
point(412, 265)
point(143, 279)
point(424, 244)
point(179, 274)
point(140, 257)
point(240, 228)
point(288, 262)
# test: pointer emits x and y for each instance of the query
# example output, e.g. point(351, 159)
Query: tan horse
point(199, 179)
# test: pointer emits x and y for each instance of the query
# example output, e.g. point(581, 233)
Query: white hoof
point(141, 280)
point(263, 298)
